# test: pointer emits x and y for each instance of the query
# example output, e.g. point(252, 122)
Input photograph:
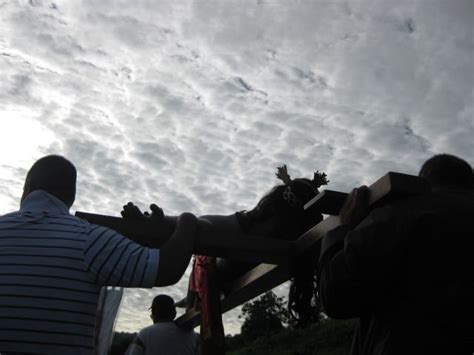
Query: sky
point(193, 104)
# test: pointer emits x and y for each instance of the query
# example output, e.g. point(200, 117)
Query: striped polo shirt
point(52, 266)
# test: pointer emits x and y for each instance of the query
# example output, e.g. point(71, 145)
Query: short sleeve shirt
point(52, 266)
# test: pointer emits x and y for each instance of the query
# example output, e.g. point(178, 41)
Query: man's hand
point(355, 208)
point(130, 211)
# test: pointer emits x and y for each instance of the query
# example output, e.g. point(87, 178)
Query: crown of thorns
point(319, 179)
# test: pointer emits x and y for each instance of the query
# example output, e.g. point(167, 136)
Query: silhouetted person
point(407, 269)
point(53, 265)
point(164, 336)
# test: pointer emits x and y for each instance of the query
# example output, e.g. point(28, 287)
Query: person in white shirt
point(53, 265)
point(164, 336)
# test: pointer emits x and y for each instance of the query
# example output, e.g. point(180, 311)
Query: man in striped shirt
point(52, 265)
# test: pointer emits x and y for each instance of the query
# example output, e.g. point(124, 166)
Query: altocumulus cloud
point(192, 104)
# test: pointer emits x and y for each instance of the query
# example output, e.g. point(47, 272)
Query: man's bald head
point(55, 175)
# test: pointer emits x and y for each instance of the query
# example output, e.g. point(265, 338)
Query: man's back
point(52, 266)
point(165, 338)
point(432, 305)
point(406, 271)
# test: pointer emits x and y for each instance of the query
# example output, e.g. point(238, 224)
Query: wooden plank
point(262, 278)
point(259, 280)
point(313, 236)
point(327, 202)
point(250, 248)
point(391, 185)
point(396, 185)
point(153, 234)
point(150, 233)
point(190, 319)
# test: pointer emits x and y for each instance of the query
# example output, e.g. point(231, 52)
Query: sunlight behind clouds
point(21, 136)
point(22, 140)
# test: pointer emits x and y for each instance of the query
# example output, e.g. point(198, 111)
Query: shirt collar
point(41, 201)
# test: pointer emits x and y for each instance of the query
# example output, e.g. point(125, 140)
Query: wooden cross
point(274, 255)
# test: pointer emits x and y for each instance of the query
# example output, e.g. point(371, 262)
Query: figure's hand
point(355, 208)
point(130, 211)
point(156, 212)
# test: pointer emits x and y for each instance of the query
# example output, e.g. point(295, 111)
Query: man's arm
point(341, 294)
point(361, 260)
point(113, 260)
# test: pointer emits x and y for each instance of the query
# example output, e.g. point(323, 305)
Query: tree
point(120, 342)
point(265, 315)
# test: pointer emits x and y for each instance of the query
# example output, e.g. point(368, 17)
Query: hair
point(163, 308)
point(55, 175)
point(293, 220)
point(447, 170)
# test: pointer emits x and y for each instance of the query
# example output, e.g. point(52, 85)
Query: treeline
point(120, 342)
point(328, 337)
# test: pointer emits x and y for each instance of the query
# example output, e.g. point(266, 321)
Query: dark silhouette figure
point(283, 210)
point(406, 269)
point(164, 336)
point(279, 214)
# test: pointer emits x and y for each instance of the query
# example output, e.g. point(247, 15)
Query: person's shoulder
point(403, 205)
point(436, 203)
point(146, 331)
point(96, 229)
point(10, 215)
point(152, 331)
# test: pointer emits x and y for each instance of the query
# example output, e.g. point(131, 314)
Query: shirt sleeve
point(114, 260)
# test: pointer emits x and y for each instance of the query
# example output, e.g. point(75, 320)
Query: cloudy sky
point(193, 104)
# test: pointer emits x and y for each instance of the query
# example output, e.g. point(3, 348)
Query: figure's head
point(445, 170)
point(283, 207)
point(55, 175)
point(163, 309)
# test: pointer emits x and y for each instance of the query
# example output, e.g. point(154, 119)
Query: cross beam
point(265, 277)
point(153, 234)
point(275, 255)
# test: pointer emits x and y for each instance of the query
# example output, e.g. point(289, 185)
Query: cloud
point(193, 105)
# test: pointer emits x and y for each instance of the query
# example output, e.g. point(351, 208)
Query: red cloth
point(198, 282)
point(202, 281)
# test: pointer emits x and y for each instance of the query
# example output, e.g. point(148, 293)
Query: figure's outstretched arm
point(225, 226)
point(184, 231)
point(176, 253)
